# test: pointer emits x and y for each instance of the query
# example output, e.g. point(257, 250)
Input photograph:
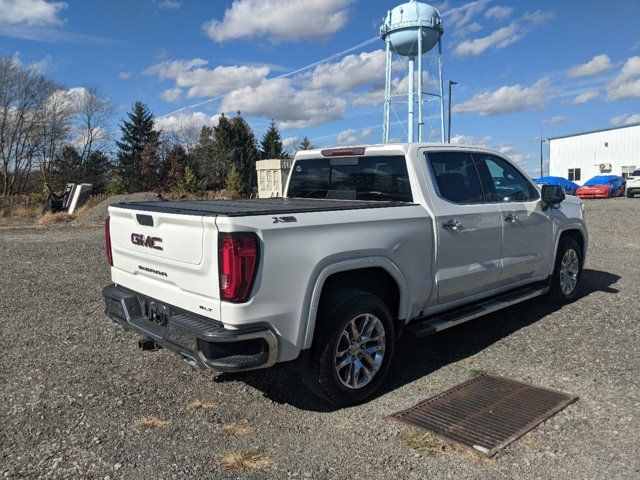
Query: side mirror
point(552, 194)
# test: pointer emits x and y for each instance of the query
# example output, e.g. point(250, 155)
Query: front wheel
point(352, 349)
point(567, 272)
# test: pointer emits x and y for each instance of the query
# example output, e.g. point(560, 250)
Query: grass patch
point(236, 429)
point(426, 443)
point(477, 372)
point(49, 218)
point(152, 422)
point(251, 460)
point(198, 405)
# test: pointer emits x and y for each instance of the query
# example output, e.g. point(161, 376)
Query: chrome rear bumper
point(197, 339)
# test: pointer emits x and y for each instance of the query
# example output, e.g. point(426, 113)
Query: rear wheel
point(567, 272)
point(353, 347)
point(630, 194)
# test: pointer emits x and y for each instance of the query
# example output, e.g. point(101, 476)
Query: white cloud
point(507, 148)
point(498, 39)
point(176, 123)
point(498, 12)
point(352, 137)
point(289, 142)
point(554, 120)
point(502, 37)
point(172, 95)
point(125, 75)
point(277, 99)
point(598, 64)
point(170, 5)
point(43, 64)
point(458, 17)
point(203, 82)
point(280, 20)
point(31, 12)
point(507, 99)
point(627, 83)
point(471, 140)
point(585, 97)
point(625, 119)
point(349, 73)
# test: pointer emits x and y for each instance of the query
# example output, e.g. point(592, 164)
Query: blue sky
point(522, 67)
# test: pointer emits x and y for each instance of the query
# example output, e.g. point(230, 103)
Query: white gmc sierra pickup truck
point(368, 242)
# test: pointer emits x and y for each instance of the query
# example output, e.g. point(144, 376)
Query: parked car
point(369, 242)
point(602, 186)
point(570, 188)
point(633, 184)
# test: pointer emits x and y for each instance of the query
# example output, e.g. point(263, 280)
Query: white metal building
point(272, 176)
point(581, 156)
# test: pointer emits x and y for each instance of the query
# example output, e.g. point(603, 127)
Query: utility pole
point(542, 140)
point(451, 82)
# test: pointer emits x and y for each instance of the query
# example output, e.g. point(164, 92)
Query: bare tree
point(23, 94)
point(54, 122)
point(93, 111)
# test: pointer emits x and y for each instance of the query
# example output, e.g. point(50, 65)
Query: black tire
point(335, 313)
point(556, 292)
point(630, 195)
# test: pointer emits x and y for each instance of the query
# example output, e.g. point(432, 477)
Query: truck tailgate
point(167, 256)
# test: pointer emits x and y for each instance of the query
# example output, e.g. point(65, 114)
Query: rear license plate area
point(154, 318)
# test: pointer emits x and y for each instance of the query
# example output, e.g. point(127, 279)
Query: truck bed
point(247, 208)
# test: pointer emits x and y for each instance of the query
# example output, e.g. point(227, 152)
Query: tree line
point(53, 136)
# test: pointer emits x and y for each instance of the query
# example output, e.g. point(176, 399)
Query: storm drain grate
point(486, 413)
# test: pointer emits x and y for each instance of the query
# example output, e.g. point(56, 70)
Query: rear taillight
point(107, 239)
point(238, 256)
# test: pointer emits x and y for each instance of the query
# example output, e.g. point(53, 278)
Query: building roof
point(595, 131)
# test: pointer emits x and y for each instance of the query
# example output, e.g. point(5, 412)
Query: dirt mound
point(98, 213)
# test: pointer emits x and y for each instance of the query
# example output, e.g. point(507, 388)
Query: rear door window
point(456, 177)
point(352, 178)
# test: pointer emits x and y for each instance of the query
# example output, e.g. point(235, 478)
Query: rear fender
point(313, 298)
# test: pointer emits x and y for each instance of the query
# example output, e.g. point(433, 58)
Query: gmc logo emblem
point(149, 242)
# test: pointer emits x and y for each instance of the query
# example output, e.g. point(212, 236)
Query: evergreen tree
point(234, 183)
point(152, 165)
point(189, 182)
point(245, 153)
point(223, 151)
point(271, 145)
point(305, 144)
point(175, 165)
point(137, 130)
point(203, 156)
point(69, 167)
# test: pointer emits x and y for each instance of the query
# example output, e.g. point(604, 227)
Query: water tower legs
point(420, 120)
point(441, 89)
point(411, 99)
point(387, 95)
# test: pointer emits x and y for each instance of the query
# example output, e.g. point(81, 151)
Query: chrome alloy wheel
point(569, 271)
point(360, 351)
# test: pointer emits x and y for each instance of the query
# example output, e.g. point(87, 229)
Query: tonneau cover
point(245, 208)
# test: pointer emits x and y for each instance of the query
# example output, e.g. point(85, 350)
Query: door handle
point(452, 225)
point(512, 217)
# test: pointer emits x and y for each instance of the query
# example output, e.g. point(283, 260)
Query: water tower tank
point(401, 28)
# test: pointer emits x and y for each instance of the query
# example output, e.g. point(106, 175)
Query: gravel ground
point(75, 389)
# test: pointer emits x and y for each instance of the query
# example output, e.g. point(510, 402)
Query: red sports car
point(602, 186)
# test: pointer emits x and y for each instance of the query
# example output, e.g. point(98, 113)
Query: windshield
point(636, 173)
point(351, 178)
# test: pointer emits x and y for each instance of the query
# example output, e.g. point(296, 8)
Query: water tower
point(409, 31)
